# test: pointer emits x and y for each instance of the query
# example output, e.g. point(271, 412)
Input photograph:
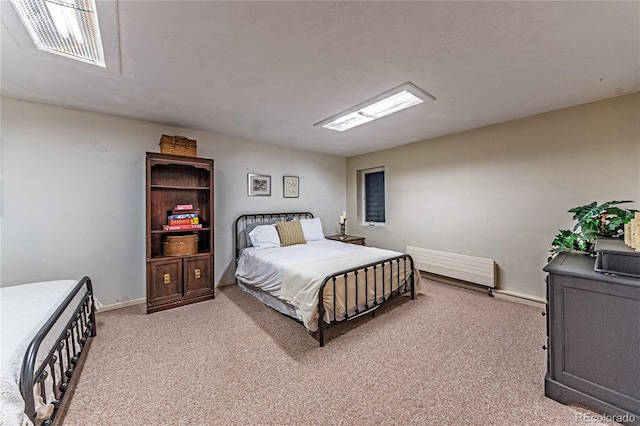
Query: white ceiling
point(267, 71)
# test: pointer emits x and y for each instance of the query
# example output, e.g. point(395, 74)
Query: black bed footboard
point(353, 292)
point(50, 379)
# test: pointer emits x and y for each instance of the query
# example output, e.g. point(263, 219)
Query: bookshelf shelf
point(186, 188)
point(186, 256)
point(173, 231)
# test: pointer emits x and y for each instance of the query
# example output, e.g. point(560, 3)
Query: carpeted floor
point(452, 356)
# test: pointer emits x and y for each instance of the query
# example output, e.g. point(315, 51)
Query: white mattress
point(24, 309)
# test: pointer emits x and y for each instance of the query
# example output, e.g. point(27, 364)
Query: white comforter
point(23, 311)
point(295, 273)
point(265, 268)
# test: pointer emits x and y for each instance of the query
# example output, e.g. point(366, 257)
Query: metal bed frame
point(404, 285)
point(64, 354)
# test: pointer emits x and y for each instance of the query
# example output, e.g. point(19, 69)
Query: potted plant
point(592, 221)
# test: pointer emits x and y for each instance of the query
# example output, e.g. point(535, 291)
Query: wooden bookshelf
point(178, 280)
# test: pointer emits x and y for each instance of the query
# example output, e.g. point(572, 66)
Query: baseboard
point(112, 306)
point(499, 294)
point(226, 283)
point(521, 298)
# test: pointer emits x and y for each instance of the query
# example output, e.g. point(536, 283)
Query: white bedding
point(265, 268)
point(295, 273)
point(24, 309)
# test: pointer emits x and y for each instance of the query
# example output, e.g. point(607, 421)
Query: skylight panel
point(348, 121)
point(63, 27)
point(391, 104)
point(394, 100)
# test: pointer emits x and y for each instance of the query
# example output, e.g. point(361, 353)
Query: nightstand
point(349, 239)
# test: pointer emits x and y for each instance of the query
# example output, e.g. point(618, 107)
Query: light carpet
point(452, 356)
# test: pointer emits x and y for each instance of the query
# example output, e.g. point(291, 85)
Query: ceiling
point(267, 71)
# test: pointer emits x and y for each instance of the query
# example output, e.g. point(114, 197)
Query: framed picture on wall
point(259, 184)
point(290, 186)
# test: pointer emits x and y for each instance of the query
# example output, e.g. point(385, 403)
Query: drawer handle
point(196, 273)
point(167, 278)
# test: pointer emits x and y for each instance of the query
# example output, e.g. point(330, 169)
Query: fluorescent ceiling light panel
point(394, 100)
point(64, 27)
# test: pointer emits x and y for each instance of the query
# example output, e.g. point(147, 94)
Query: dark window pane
point(374, 197)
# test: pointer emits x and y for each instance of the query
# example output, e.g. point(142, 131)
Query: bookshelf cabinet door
point(165, 283)
point(198, 280)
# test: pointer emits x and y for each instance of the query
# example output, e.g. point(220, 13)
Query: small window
point(373, 211)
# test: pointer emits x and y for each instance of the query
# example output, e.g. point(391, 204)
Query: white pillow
point(264, 236)
point(312, 229)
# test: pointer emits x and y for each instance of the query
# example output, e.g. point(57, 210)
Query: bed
point(353, 280)
point(45, 327)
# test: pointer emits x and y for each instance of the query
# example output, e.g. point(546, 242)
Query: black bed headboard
point(246, 219)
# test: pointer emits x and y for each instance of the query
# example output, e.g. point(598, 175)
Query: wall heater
point(476, 270)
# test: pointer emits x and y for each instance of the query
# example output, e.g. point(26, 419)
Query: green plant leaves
point(592, 221)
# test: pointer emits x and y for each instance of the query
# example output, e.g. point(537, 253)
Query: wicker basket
point(178, 145)
point(180, 245)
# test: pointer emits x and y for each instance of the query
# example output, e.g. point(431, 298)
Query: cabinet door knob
point(196, 273)
point(167, 278)
point(544, 347)
point(544, 313)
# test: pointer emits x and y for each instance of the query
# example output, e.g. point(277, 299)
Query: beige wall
point(73, 200)
point(503, 191)
point(73, 190)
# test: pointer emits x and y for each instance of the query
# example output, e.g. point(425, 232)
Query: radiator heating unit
point(476, 270)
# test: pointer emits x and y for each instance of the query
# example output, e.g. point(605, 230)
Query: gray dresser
point(593, 333)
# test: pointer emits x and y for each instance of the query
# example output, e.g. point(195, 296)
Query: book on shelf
point(183, 216)
point(184, 221)
point(183, 207)
point(184, 211)
point(180, 227)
